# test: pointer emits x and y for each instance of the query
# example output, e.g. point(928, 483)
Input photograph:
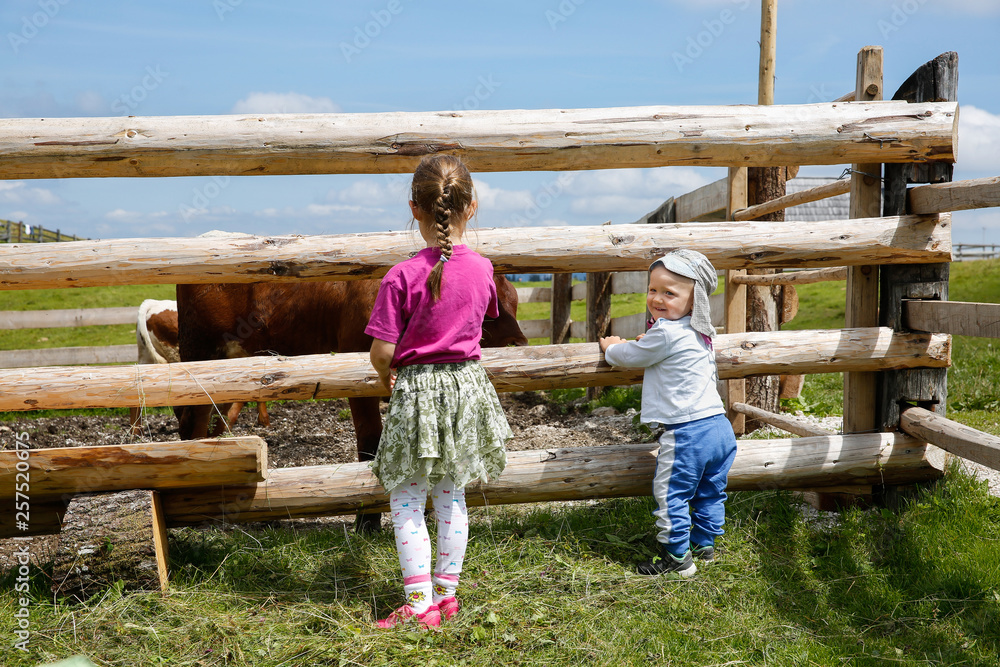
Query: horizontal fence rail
point(70, 317)
point(553, 474)
point(510, 369)
point(504, 140)
point(729, 245)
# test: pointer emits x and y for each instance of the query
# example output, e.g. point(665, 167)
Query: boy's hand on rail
point(609, 341)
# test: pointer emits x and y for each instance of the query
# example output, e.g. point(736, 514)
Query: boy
point(679, 393)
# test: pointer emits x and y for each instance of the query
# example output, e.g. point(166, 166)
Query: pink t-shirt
point(428, 332)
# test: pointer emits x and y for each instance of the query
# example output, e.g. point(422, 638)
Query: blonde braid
point(443, 187)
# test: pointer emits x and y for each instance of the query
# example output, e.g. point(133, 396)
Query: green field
point(553, 584)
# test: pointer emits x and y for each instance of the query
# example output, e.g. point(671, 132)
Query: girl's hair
point(442, 187)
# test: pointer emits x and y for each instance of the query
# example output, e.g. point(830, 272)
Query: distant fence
point(964, 252)
point(18, 232)
point(67, 356)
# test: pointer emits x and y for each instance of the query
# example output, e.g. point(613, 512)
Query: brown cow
point(224, 321)
point(156, 343)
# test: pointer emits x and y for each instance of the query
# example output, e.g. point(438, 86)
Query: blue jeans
point(690, 482)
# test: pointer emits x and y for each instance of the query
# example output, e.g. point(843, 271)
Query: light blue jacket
point(679, 384)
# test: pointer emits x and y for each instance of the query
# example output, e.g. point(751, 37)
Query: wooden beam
point(571, 474)
point(585, 249)
point(768, 49)
point(954, 196)
point(510, 369)
point(934, 80)
point(154, 465)
point(794, 199)
point(953, 317)
point(735, 299)
point(708, 200)
point(961, 440)
point(74, 317)
point(784, 422)
point(540, 476)
point(794, 278)
point(500, 140)
point(160, 543)
point(68, 356)
point(862, 281)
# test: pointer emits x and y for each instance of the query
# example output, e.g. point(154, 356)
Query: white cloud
point(284, 103)
point(92, 103)
point(978, 140)
point(17, 192)
point(624, 195)
point(498, 199)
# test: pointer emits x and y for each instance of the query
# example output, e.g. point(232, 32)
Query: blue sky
point(71, 58)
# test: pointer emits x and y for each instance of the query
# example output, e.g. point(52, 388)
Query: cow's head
point(504, 330)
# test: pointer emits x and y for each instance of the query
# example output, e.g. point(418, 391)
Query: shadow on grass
point(921, 581)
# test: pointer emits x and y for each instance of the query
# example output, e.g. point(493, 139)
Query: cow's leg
point(263, 419)
point(192, 421)
point(368, 430)
point(234, 413)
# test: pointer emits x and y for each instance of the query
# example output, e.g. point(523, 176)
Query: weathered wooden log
point(707, 202)
point(729, 245)
point(954, 196)
point(953, 317)
point(153, 465)
point(794, 277)
point(802, 197)
point(510, 369)
point(934, 80)
point(571, 474)
point(861, 307)
point(67, 356)
point(784, 422)
point(735, 298)
point(73, 317)
point(951, 436)
point(546, 475)
point(501, 140)
point(108, 538)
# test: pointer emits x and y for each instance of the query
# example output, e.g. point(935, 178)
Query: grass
point(554, 584)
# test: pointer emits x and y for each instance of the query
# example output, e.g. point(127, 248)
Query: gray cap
point(692, 264)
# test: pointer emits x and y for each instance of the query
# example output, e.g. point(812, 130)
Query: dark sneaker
point(667, 563)
point(699, 552)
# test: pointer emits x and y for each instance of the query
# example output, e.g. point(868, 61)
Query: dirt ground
point(316, 433)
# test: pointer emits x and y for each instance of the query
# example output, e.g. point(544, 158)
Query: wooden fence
point(18, 232)
point(863, 133)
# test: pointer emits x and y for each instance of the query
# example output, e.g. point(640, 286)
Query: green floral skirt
point(443, 420)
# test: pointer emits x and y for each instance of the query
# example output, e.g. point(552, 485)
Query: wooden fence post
point(763, 311)
point(598, 314)
point(934, 80)
point(736, 298)
point(562, 301)
point(862, 281)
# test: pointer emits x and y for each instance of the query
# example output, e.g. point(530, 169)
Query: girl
point(444, 427)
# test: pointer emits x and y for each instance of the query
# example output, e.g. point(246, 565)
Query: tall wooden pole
point(763, 304)
point(736, 298)
point(862, 281)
